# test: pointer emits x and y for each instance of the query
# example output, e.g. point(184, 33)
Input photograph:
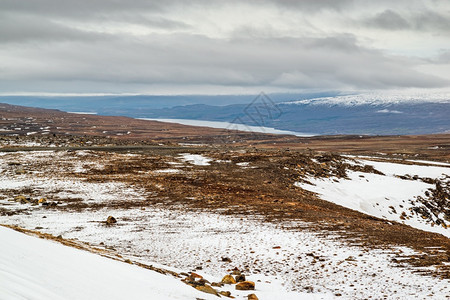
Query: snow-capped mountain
point(381, 98)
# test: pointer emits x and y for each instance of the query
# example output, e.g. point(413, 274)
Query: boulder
point(217, 284)
point(245, 285)
point(207, 289)
point(236, 272)
point(202, 281)
point(111, 220)
point(225, 293)
point(240, 278)
point(22, 199)
point(228, 279)
point(195, 275)
point(252, 297)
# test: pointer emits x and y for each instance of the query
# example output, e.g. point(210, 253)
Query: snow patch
point(196, 159)
point(383, 196)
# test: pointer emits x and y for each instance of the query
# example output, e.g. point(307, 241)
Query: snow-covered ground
point(285, 260)
point(385, 196)
point(32, 268)
point(277, 259)
point(35, 269)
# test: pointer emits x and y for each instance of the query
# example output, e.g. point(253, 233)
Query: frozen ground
point(287, 260)
point(391, 196)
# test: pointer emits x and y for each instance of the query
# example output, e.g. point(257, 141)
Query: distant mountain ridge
point(322, 113)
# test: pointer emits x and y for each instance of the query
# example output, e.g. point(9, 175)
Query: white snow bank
point(383, 196)
point(391, 169)
point(437, 163)
point(168, 171)
point(31, 268)
point(196, 159)
point(34, 269)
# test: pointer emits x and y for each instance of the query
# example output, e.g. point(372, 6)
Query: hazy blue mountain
point(328, 114)
point(134, 105)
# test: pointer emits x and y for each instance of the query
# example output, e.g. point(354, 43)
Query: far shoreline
point(230, 126)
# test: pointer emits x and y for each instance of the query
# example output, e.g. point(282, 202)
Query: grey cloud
point(79, 9)
point(150, 21)
point(443, 57)
point(313, 5)
point(426, 20)
point(431, 20)
point(388, 19)
point(195, 60)
point(253, 56)
point(86, 8)
point(146, 13)
point(22, 28)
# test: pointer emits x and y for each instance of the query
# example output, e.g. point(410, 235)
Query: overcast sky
point(177, 47)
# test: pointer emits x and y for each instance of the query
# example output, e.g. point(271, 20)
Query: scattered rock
point(252, 297)
point(217, 284)
point(195, 275)
point(207, 289)
point(236, 272)
point(245, 285)
point(111, 220)
point(20, 171)
point(309, 289)
point(202, 281)
point(225, 293)
point(228, 279)
point(22, 199)
point(226, 259)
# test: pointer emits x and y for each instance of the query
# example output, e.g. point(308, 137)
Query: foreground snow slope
point(31, 268)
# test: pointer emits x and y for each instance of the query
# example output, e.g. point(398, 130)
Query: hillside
point(320, 217)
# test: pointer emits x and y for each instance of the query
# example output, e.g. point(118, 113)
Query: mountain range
point(315, 113)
